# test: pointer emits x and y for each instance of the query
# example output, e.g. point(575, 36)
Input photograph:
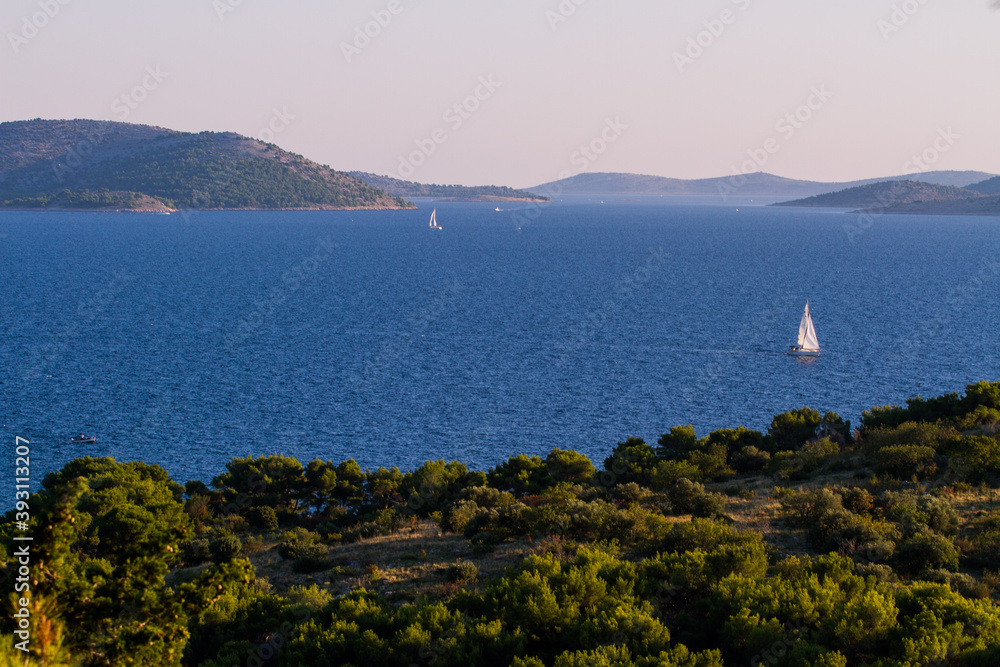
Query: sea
point(189, 339)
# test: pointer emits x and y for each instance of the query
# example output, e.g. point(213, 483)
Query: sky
point(522, 92)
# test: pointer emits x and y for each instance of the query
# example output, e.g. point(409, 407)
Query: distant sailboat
point(808, 344)
point(434, 220)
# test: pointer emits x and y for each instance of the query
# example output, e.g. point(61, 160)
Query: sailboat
point(808, 345)
point(434, 220)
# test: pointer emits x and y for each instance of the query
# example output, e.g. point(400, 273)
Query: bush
point(458, 516)
point(981, 455)
point(196, 552)
point(632, 461)
point(684, 494)
point(750, 459)
point(569, 466)
point(225, 548)
point(925, 552)
point(264, 518)
point(484, 542)
point(792, 429)
point(463, 572)
point(858, 500)
point(938, 515)
point(807, 508)
point(678, 443)
point(903, 461)
point(311, 558)
point(982, 547)
point(296, 543)
point(909, 433)
point(709, 506)
point(521, 474)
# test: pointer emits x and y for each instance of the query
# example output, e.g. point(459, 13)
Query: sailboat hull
point(803, 353)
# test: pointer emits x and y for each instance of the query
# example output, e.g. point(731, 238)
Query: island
point(491, 193)
point(101, 165)
point(757, 185)
point(910, 197)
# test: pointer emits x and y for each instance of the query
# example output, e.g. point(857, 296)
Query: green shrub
point(709, 506)
point(669, 472)
point(684, 494)
point(225, 548)
point(311, 558)
point(678, 443)
point(750, 459)
point(458, 516)
point(980, 454)
point(909, 433)
point(925, 552)
point(792, 429)
point(807, 508)
point(903, 461)
point(264, 518)
point(463, 572)
point(296, 543)
point(484, 542)
point(569, 466)
point(521, 474)
point(196, 552)
point(938, 515)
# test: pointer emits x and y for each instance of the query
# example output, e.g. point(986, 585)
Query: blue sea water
point(186, 340)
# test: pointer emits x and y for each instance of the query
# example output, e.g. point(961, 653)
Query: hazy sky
point(891, 79)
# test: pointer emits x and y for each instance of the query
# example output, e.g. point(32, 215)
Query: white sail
point(807, 332)
point(434, 222)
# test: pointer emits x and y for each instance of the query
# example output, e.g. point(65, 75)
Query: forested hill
point(99, 164)
point(401, 188)
point(887, 195)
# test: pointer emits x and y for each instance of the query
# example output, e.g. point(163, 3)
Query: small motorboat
point(83, 439)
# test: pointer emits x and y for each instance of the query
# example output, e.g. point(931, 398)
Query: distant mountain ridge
point(759, 185)
point(400, 188)
point(101, 164)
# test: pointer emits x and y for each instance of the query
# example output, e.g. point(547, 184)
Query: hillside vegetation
point(402, 188)
point(92, 164)
point(810, 544)
point(887, 195)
